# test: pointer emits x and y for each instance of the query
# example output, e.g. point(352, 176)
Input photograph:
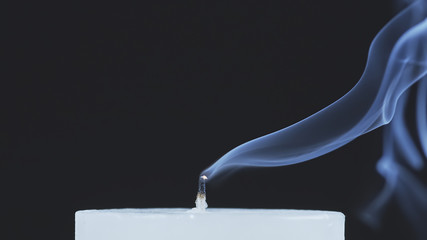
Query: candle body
point(214, 224)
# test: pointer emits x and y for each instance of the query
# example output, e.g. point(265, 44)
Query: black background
point(123, 105)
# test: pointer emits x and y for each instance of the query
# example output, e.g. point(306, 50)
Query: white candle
point(212, 224)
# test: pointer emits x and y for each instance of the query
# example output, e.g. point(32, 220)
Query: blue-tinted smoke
point(397, 59)
point(400, 161)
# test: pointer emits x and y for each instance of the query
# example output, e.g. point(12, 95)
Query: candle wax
point(212, 224)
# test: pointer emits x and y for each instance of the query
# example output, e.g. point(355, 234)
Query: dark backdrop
point(123, 105)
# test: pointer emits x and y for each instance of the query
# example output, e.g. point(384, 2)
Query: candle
point(212, 224)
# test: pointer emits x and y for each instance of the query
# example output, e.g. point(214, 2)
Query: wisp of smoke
point(397, 60)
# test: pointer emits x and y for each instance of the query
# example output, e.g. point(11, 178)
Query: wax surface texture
point(213, 224)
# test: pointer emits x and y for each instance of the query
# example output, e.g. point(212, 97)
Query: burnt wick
point(201, 203)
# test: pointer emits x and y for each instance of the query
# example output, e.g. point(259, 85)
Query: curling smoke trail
point(401, 159)
point(397, 60)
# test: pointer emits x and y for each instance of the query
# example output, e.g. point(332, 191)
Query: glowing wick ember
point(201, 203)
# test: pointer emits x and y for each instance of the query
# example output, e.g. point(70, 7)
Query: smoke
point(397, 60)
point(400, 161)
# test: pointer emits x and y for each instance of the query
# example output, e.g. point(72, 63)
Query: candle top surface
point(211, 224)
point(288, 213)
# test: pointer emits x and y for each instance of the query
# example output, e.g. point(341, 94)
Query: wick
point(201, 203)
